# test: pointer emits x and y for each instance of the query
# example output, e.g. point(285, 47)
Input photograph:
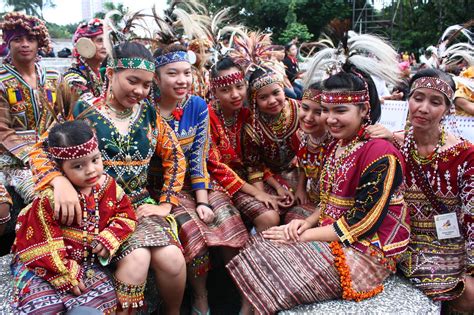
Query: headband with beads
point(133, 63)
point(435, 84)
point(74, 152)
point(266, 79)
point(312, 95)
point(226, 80)
point(171, 57)
point(345, 97)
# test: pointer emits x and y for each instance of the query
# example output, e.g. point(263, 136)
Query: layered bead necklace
point(119, 115)
point(90, 225)
point(332, 166)
point(313, 153)
point(230, 125)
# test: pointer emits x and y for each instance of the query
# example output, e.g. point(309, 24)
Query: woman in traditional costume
point(439, 194)
point(130, 132)
point(350, 244)
point(271, 135)
point(227, 116)
point(314, 144)
point(56, 267)
point(206, 215)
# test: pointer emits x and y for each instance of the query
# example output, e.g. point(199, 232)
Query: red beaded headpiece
point(345, 97)
point(74, 152)
point(226, 80)
point(312, 95)
point(434, 84)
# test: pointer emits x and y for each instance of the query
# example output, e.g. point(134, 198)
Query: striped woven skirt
point(40, 297)
point(275, 277)
point(152, 231)
point(227, 229)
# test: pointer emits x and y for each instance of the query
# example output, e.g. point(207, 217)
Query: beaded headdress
point(90, 29)
point(226, 80)
point(432, 83)
point(74, 152)
point(171, 57)
point(115, 36)
point(16, 24)
point(312, 95)
point(133, 63)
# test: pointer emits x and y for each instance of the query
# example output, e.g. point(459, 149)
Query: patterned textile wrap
point(40, 297)
point(276, 276)
point(364, 203)
point(21, 110)
point(4, 195)
point(227, 141)
point(126, 157)
point(227, 228)
point(438, 267)
point(54, 252)
point(265, 147)
point(192, 131)
point(153, 231)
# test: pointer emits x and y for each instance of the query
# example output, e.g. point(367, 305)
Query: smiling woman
point(130, 133)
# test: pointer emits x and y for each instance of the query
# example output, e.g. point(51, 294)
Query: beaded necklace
point(312, 159)
point(93, 79)
point(277, 126)
point(332, 166)
point(123, 115)
point(230, 126)
point(89, 225)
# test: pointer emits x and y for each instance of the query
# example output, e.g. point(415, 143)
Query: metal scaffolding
point(367, 17)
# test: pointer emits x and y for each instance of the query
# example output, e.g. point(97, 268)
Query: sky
point(70, 11)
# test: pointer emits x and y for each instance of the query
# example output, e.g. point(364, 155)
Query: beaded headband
point(134, 63)
point(435, 84)
point(312, 95)
point(171, 57)
point(226, 80)
point(265, 80)
point(345, 97)
point(74, 152)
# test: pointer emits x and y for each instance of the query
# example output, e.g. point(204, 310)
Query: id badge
point(447, 226)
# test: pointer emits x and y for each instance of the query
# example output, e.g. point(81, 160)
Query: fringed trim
point(200, 265)
point(129, 295)
point(348, 293)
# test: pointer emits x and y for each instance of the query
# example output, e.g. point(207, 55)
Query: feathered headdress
point(182, 18)
point(367, 53)
point(462, 50)
point(115, 35)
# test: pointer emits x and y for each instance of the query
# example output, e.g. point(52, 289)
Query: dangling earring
point(110, 95)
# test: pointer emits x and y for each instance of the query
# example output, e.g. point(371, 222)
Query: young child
point(57, 267)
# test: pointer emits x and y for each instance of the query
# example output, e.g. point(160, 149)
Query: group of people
point(122, 173)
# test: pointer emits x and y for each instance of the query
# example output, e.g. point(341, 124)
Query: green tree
point(31, 7)
point(295, 30)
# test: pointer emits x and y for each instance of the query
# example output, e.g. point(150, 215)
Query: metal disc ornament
point(85, 47)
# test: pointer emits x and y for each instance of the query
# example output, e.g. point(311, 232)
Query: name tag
point(447, 226)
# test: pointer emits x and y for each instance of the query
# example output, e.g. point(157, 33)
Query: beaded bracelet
point(204, 204)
